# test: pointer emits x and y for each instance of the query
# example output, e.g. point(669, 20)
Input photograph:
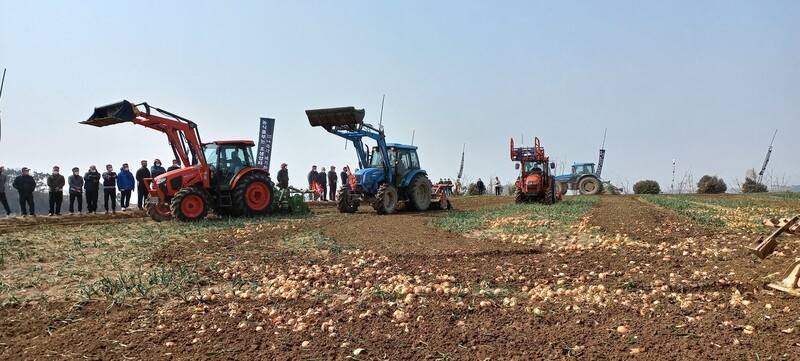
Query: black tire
point(589, 186)
point(418, 193)
point(386, 199)
point(519, 197)
point(345, 204)
point(249, 204)
point(190, 204)
point(157, 216)
point(550, 194)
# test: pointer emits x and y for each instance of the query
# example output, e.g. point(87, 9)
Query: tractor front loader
point(219, 175)
point(388, 174)
point(765, 245)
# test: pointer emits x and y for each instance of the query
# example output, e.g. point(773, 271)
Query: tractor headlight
point(161, 181)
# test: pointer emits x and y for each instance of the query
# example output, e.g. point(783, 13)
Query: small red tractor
point(219, 175)
point(535, 183)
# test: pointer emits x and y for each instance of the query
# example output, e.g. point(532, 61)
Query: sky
point(703, 82)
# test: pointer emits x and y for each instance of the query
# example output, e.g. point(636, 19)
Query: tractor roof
point(225, 142)
point(401, 146)
point(578, 164)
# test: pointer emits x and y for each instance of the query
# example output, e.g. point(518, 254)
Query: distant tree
point(472, 189)
point(711, 185)
point(750, 184)
point(646, 187)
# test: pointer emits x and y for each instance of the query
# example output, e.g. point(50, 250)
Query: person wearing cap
point(283, 177)
point(75, 183)
point(55, 184)
point(312, 182)
point(175, 165)
point(3, 199)
point(110, 188)
point(125, 182)
point(157, 170)
point(25, 185)
point(332, 184)
point(92, 186)
point(344, 177)
point(322, 179)
point(141, 188)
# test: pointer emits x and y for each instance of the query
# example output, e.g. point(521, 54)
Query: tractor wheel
point(190, 204)
point(550, 194)
point(159, 212)
point(419, 193)
point(253, 195)
point(345, 203)
point(386, 199)
point(519, 197)
point(589, 186)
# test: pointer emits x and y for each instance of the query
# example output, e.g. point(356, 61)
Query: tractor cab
point(401, 160)
point(579, 169)
point(226, 159)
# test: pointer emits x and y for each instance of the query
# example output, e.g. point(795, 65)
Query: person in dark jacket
point(55, 185)
point(110, 188)
point(141, 189)
point(481, 187)
point(175, 165)
point(91, 183)
point(345, 178)
point(75, 183)
point(25, 184)
point(332, 184)
point(125, 183)
point(283, 177)
point(157, 170)
point(322, 179)
point(312, 179)
point(3, 199)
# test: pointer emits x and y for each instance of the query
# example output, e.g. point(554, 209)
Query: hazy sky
point(704, 82)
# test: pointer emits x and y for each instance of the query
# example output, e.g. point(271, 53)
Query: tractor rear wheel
point(253, 195)
point(345, 203)
point(589, 186)
point(190, 204)
point(519, 197)
point(159, 212)
point(419, 193)
point(386, 199)
point(550, 194)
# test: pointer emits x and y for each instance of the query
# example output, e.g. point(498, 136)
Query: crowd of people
point(84, 187)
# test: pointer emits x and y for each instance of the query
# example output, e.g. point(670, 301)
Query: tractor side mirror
point(552, 166)
point(516, 166)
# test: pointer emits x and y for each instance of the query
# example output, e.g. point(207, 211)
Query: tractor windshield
point(210, 152)
point(376, 160)
point(580, 169)
point(531, 167)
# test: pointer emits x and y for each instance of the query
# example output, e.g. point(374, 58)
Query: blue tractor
point(388, 174)
point(583, 179)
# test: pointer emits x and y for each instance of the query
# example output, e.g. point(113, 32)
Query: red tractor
point(535, 183)
point(220, 175)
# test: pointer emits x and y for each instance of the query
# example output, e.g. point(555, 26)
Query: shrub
point(646, 187)
point(711, 184)
point(750, 184)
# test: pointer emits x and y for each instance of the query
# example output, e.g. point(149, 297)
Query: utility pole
point(672, 186)
point(766, 160)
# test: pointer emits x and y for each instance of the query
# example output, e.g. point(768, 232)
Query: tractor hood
point(562, 177)
point(111, 114)
point(368, 179)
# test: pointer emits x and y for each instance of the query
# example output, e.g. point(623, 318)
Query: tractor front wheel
point(253, 194)
point(519, 197)
point(346, 204)
point(419, 193)
point(190, 204)
point(159, 212)
point(589, 186)
point(550, 193)
point(386, 199)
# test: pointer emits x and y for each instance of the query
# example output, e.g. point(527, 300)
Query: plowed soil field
point(608, 278)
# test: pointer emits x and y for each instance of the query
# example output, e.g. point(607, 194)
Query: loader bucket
point(347, 117)
point(112, 114)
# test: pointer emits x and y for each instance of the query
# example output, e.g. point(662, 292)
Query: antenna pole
point(380, 122)
point(604, 138)
point(413, 133)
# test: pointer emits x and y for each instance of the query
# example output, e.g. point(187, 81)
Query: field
point(610, 277)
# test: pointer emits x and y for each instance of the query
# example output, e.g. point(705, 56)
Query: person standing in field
point(497, 187)
point(91, 183)
point(55, 184)
point(332, 184)
point(110, 188)
point(141, 190)
point(175, 165)
point(283, 177)
point(75, 183)
point(322, 179)
point(125, 182)
point(157, 170)
point(312, 180)
point(344, 177)
point(481, 187)
point(3, 199)
point(25, 185)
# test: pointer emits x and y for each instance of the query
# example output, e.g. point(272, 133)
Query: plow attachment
point(765, 245)
point(348, 118)
point(111, 114)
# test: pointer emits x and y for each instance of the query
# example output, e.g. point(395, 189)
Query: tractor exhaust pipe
point(111, 114)
point(348, 118)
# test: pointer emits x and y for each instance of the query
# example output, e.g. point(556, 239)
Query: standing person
point(55, 184)
point(458, 186)
point(322, 179)
point(332, 184)
point(449, 187)
point(110, 188)
point(497, 187)
point(141, 190)
point(157, 170)
point(344, 177)
point(175, 165)
point(75, 183)
point(25, 185)
point(125, 182)
point(283, 177)
point(3, 199)
point(91, 183)
point(312, 179)
point(481, 187)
